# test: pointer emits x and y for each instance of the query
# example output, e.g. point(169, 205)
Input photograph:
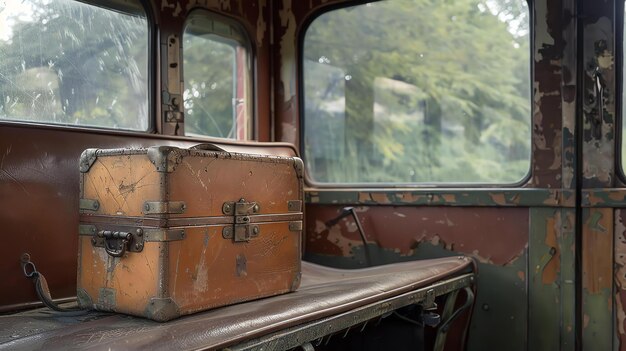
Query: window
point(411, 92)
point(217, 70)
point(66, 62)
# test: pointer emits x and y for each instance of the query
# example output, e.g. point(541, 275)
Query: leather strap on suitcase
point(43, 291)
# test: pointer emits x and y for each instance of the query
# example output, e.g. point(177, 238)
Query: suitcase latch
point(242, 230)
point(116, 243)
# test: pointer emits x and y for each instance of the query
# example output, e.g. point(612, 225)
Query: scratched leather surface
point(39, 180)
point(324, 292)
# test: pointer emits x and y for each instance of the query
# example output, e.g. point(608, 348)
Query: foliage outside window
point(216, 65)
point(66, 62)
point(418, 91)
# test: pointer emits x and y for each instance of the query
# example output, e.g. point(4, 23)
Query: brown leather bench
point(328, 301)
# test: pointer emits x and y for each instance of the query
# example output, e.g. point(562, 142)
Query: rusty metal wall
point(526, 247)
point(524, 238)
point(601, 287)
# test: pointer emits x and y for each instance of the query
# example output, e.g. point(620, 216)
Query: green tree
point(467, 117)
point(71, 63)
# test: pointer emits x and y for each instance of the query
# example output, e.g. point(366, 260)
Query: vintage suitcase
point(166, 231)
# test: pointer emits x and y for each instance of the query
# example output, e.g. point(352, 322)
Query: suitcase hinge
point(88, 205)
point(242, 230)
point(164, 207)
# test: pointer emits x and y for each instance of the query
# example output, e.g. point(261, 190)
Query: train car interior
point(457, 169)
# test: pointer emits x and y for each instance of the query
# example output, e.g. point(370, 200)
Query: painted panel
point(496, 237)
point(597, 279)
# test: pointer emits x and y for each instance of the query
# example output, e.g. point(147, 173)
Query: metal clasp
point(115, 243)
point(242, 230)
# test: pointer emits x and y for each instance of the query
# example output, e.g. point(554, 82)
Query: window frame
point(151, 77)
point(310, 182)
point(250, 78)
point(620, 8)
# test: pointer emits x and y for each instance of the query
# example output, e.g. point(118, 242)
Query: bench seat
point(327, 301)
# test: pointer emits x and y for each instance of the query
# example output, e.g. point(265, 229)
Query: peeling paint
point(287, 51)
point(496, 243)
point(551, 269)
point(261, 24)
point(594, 222)
point(177, 10)
point(597, 256)
point(542, 36)
point(458, 197)
point(498, 199)
point(620, 271)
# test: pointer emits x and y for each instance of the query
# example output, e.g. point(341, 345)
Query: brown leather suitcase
point(166, 231)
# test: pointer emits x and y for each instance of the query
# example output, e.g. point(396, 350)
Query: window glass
point(66, 62)
point(216, 67)
point(418, 91)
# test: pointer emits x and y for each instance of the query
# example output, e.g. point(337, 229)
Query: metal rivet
point(25, 257)
point(139, 232)
point(95, 205)
point(485, 307)
point(255, 230)
point(255, 208)
point(93, 241)
point(147, 207)
point(137, 246)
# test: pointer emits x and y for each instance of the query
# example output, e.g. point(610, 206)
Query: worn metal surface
point(166, 279)
point(399, 232)
point(472, 197)
point(550, 194)
point(598, 171)
point(597, 279)
point(619, 247)
point(551, 279)
point(411, 233)
point(607, 197)
point(341, 291)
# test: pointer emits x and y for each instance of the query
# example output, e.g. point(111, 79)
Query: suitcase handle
point(207, 147)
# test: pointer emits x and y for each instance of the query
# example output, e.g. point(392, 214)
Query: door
point(603, 194)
